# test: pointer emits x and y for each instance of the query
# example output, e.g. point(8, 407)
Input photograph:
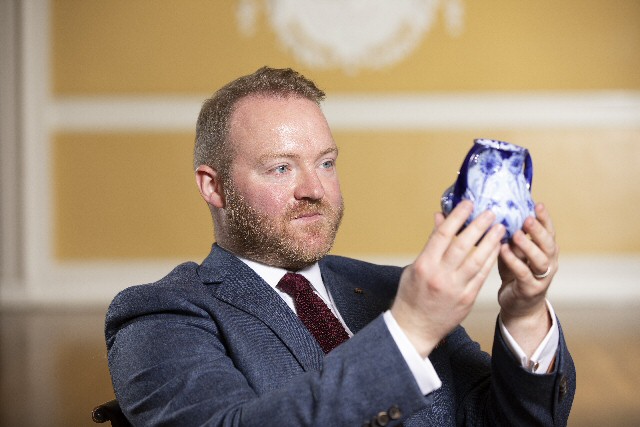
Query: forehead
point(268, 123)
point(263, 113)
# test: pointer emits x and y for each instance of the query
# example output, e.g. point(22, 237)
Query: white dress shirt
point(422, 369)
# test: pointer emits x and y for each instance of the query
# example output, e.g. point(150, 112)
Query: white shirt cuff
point(543, 356)
point(422, 369)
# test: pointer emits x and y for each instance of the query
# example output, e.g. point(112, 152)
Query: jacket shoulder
point(182, 275)
point(169, 293)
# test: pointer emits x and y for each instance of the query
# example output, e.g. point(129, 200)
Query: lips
point(307, 215)
point(308, 210)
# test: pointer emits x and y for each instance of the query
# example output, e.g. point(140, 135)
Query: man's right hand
point(437, 291)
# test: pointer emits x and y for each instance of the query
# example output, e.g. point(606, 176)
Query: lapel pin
point(358, 290)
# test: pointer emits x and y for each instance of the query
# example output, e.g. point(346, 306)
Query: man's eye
point(328, 164)
point(280, 169)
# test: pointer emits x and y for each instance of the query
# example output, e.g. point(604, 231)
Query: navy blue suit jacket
point(214, 345)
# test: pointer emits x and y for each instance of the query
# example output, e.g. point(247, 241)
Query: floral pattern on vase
point(496, 176)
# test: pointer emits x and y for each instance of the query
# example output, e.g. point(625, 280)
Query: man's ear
point(209, 183)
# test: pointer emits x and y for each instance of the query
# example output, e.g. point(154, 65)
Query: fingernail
point(488, 216)
point(466, 204)
point(499, 229)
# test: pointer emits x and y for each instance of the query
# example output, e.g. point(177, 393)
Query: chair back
point(110, 411)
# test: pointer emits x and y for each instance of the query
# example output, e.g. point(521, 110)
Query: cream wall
point(110, 93)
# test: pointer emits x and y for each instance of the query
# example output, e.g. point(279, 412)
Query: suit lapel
point(235, 283)
point(356, 304)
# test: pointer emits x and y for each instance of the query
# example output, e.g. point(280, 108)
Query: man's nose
point(309, 186)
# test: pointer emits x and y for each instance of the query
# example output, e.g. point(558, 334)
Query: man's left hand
point(532, 254)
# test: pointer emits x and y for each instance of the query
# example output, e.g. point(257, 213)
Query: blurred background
point(98, 102)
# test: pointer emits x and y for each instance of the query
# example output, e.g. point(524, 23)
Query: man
point(228, 342)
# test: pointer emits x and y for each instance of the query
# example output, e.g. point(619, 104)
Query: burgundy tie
point(313, 312)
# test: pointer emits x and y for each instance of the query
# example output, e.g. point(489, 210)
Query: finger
point(518, 267)
point(457, 218)
point(533, 255)
point(486, 251)
point(446, 229)
point(517, 251)
point(539, 234)
point(542, 214)
point(541, 229)
point(481, 276)
point(527, 283)
point(460, 248)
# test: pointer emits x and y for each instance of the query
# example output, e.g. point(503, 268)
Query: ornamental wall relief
point(350, 34)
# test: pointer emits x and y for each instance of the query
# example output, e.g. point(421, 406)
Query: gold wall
point(162, 46)
point(131, 194)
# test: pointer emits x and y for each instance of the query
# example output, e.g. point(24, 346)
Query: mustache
point(309, 207)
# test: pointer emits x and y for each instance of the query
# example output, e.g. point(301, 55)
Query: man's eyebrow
point(288, 155)
point(329, 150)
point(272, 156)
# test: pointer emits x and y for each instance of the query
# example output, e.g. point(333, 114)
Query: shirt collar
point(272, 275)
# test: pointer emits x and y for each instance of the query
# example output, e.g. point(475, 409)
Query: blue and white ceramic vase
point(495, 175)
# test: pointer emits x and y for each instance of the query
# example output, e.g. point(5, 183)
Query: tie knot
point(293, 284)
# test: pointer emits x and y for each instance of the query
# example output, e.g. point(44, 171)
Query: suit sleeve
point(170, 366)
point(505, 394)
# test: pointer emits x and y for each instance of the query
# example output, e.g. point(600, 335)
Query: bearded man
point(271, 330)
